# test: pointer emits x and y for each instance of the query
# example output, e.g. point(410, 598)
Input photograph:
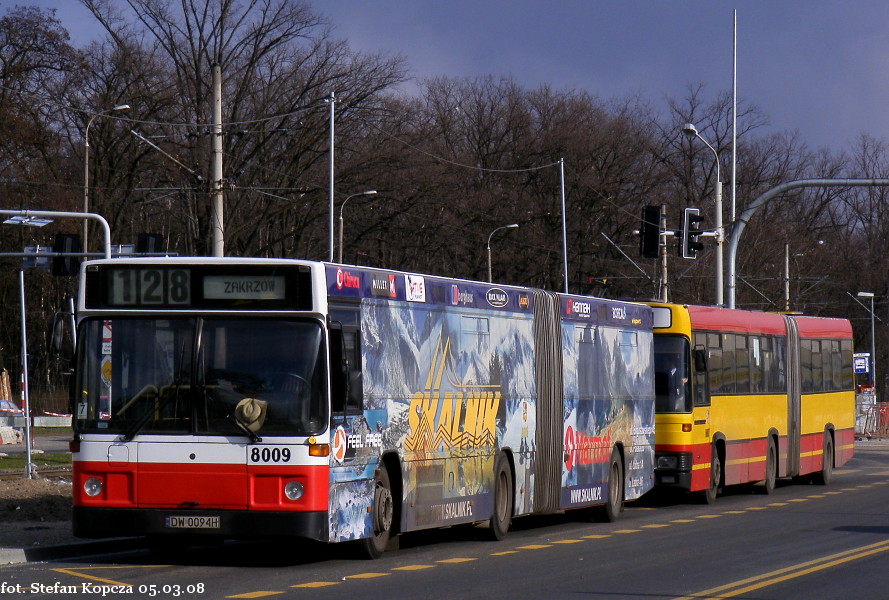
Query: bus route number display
point(149, 286)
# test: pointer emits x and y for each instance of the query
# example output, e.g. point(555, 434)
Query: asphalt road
point(803, 541)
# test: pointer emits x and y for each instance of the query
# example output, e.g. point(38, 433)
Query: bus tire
point(824, 476)
point(608, 512)
point(771, 477)
point(709, 495)
point(503, 499)
point(382, 514)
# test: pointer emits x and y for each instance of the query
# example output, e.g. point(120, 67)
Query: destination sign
point(181, 286)
point(244, 287)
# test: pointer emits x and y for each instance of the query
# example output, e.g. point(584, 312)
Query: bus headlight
point(668, 462)
point(293, 490)
point(92, 486)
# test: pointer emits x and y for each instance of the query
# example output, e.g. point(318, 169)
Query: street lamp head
point(865, 294)
point(690, 130)
point(121, 107)
point(512, 226)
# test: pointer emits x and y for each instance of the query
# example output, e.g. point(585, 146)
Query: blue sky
point(818, 67)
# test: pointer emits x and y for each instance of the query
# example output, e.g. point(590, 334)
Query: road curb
point(10, 556)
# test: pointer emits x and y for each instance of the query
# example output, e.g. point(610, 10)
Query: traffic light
point(650, 232)
point(66, 265)
point(150, 243)
point(691, 233)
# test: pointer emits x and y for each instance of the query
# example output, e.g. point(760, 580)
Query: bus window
point(701, 377)
point(671, 375)
point(277, 364)
point(345, 359)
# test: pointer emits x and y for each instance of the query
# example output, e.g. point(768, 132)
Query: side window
point(805, 363)
point(345, 360)
point(714, 362)
point(742, 365)
point(848, 374)
point(836, 366)
point(728, 364)
point(702, 369)
point(585, 340)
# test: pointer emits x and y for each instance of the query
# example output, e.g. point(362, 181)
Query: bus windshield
point(186, 375)
point(671, 374)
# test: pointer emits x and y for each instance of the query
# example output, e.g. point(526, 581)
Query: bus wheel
point(826, 474)
point(709, 495)
point(503, 499)
point(771, 468)
point(609, 511)
point(381, 516)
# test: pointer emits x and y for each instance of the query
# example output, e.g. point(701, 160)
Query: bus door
point(701, 390)
point(794, 391)
point(702, 430)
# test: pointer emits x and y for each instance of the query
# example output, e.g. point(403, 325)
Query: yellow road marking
point(778, 504)
point(597, 536)
point(568, 542)
point(315, 584)
point(734, 512)
point(709, 516)
point(367, 575)
point(757, 582)
point(535, 547)
point(259, 594)
point(90, 577)
point(627, 531)
point(797, 500)
point(504, 553)
point(414, 568)
point(456, 560)
point(682, 521)
point(757, 507)
point(656, 525)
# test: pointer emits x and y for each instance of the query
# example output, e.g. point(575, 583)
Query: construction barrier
point(872, 420)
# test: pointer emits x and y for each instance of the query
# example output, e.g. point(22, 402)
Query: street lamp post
point(367, 193)
point(873, 354)
point(86, 165)
point(692, 132)
point(511, 226)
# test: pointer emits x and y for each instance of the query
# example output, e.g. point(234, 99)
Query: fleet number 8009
point(268, 454)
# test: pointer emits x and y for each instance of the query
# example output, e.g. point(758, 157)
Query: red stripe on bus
point(202, 486)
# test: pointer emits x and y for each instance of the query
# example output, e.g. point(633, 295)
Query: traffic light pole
point(53, 214)
point(663, 285)
point(744, 218)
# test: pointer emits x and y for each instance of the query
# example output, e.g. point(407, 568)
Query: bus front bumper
point(673, 469)
point(239, 524)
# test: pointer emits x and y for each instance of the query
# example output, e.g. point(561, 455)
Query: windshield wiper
point(244, 427)
point(138, 425)
point(176, 385)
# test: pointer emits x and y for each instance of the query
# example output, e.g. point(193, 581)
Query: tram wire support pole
point(217, 207)
point(739, 226)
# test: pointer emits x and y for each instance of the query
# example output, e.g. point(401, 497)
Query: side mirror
point(59, 338)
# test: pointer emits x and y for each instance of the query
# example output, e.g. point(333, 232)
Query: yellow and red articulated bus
point(745, 396)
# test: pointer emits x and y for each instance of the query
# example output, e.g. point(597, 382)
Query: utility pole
point(217, 227)
point(663, 285)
